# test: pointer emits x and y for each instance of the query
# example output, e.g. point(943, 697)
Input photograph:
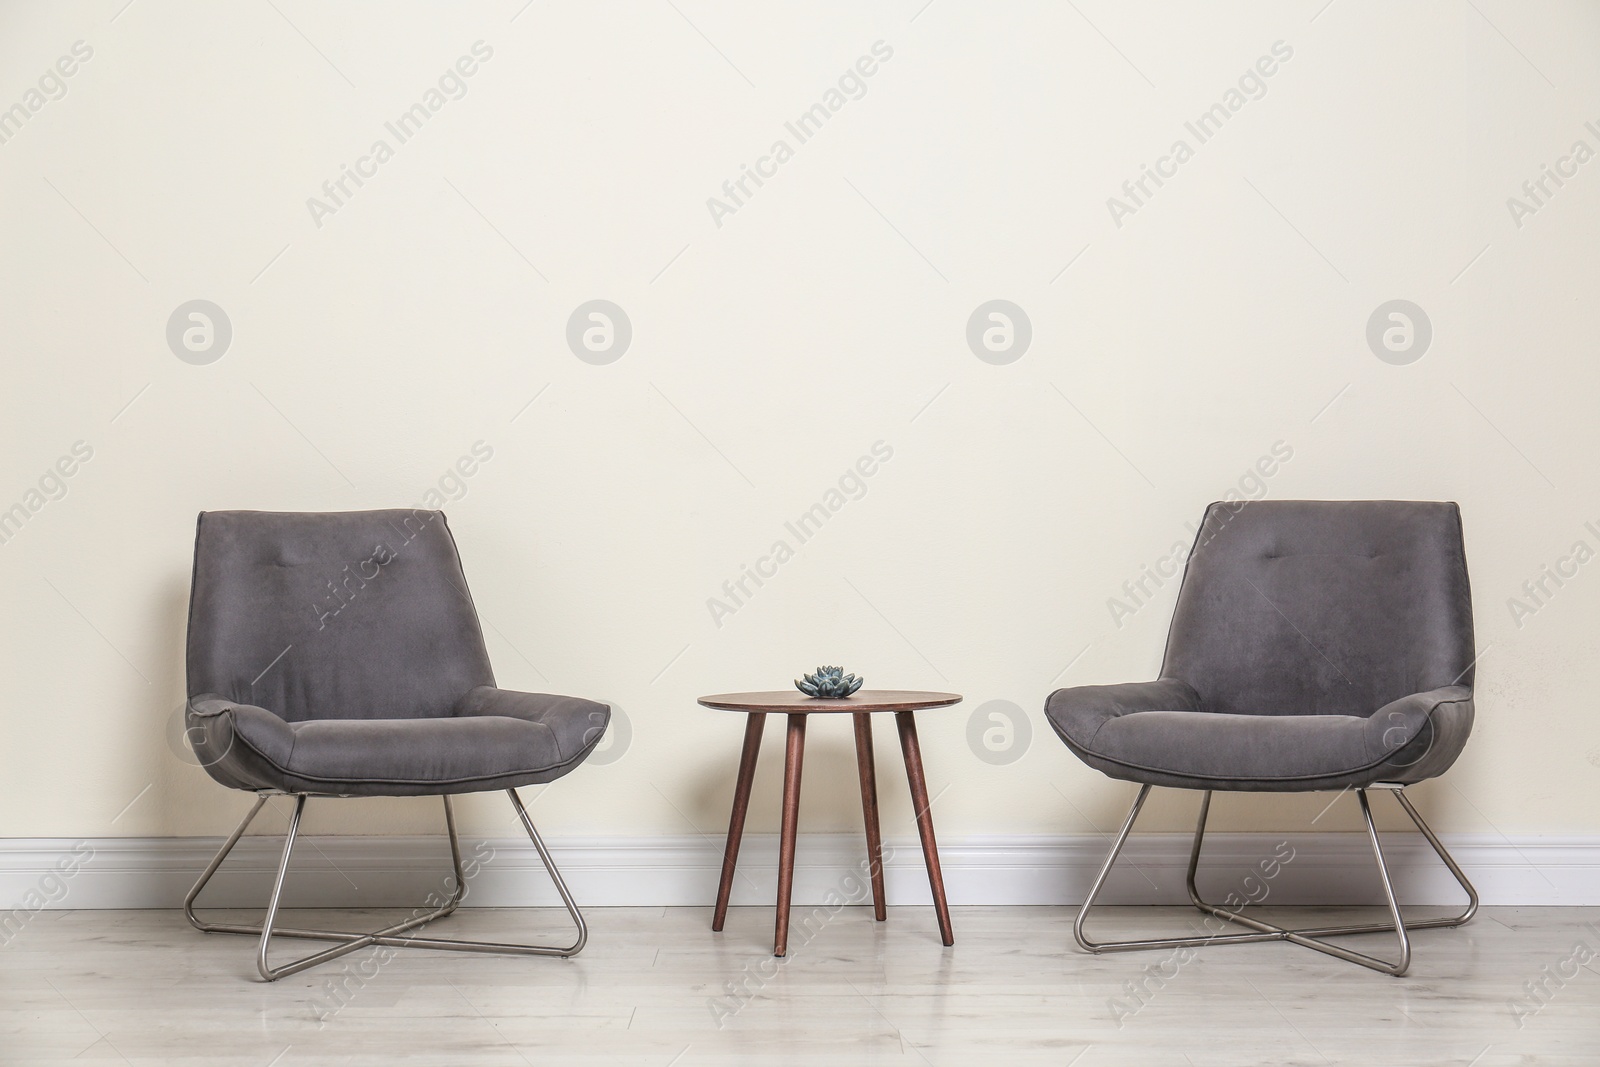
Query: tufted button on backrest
point(1307, 607)
point(333, 615)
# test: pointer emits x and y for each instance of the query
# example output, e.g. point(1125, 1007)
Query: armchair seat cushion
point(495, 740)
point(1157, 733)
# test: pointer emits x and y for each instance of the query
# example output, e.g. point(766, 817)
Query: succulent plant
point(829, 683)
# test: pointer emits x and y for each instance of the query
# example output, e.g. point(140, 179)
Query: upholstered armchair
point(1315, 645)
point(339, 655)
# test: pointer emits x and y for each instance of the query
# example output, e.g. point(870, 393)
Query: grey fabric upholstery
point(340, 653)
point(1314, 645)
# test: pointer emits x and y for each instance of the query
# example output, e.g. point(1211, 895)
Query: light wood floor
point(142, 987)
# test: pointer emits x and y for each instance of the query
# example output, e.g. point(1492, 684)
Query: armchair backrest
point(333, 615)
point(1322, 606)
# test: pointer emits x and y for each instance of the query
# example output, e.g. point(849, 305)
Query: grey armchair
point(339, 655)
point(1315, 645)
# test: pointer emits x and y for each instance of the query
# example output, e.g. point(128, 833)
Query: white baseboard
point(1326, 868)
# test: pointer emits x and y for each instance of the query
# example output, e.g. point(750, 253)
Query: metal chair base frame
point(396, 935)
point(1263, 931)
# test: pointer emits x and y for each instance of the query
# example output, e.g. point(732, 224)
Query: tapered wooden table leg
point(794, 751)
point(741, 805)
point(919, 800)
point(869, 809)
point(798, 708)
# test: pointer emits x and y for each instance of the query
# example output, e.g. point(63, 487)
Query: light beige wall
point(827, 313)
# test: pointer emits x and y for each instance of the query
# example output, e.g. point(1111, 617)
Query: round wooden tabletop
point(794, 702)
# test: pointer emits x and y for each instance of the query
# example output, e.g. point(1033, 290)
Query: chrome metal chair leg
point(1310, 938)
point(555, 876)
point(211, 868)
point(1398, 967)
point(1163, 942)
point(1264, 931)
point(395, 935)
point(1449, 862)
point(1100, 880)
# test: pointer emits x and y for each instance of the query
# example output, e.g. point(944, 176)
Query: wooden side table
point(797, 706)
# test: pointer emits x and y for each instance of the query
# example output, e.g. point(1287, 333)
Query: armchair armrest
point(218, 728)
point(578, 724)
point(1434, 723)
point(1078, 712)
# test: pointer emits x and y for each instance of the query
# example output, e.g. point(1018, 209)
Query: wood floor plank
point(658, 987)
